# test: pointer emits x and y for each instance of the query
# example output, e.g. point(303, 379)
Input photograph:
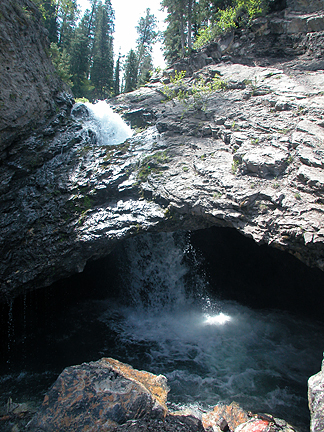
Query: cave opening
point(223, 318)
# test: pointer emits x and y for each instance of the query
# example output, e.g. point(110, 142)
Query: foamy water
point(108, 126)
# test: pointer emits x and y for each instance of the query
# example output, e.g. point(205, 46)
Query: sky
point(127, 15)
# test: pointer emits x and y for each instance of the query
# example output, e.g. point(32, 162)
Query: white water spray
point(108, 126)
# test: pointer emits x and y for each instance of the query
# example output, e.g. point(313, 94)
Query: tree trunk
point(189, 24)
point(182, 34)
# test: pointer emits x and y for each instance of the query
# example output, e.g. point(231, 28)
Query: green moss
point(152, 164)
point(82, 100)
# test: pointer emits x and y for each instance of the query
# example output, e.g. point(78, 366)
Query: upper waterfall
point(109, 127)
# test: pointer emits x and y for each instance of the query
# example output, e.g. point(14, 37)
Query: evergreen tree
point(131, 71)
point(67, 15)
point(147, 35)
point(101, 71)
point(144, 73)
point(80, 57)
point(117, 77)
point(179, 27)
point(61, 61)
point(139, 64)
point(48, 9)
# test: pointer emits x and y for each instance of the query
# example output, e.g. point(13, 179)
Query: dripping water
point(10, 329)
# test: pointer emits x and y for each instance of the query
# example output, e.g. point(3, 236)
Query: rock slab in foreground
point(97, 396)
point(316, 401)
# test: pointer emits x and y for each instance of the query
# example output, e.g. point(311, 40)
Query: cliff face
point(27, 77)
point(246, 153)
point(305, 5)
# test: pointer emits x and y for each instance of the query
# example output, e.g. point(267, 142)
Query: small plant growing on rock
point(152, 164)
point(235, 165)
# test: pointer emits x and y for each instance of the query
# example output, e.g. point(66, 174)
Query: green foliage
point(237, 13)
point(81, 100)
point(117, 77)
point(83, 50)
point(48, 10)
point(80, 57)
point(196, 96)
point(61, 61)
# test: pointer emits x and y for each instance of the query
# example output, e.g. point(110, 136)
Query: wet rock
point(171, 423)
point(80, 111)
point(97, 396)
point(316, 401)
point(139, 118)
point(225, 417)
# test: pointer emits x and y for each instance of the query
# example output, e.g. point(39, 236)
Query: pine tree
point(117, 77)
point(101, 71)
point(131, 71)
point(177, 12)
point(144, 73)
point(80, 57)
point(67, 15)
point(139, 64)
point(147, 35)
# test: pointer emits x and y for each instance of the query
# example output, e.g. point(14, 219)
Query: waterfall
point(108, 126)
point(210, 350)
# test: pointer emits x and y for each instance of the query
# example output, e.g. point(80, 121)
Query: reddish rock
point(97, 396)
point(255, 425)
point(233, 414)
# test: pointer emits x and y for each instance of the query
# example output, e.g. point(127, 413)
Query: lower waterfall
point(156, 311)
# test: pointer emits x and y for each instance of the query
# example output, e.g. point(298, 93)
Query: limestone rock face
point(28, 80)
point(98, 396)
point(249, 156)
